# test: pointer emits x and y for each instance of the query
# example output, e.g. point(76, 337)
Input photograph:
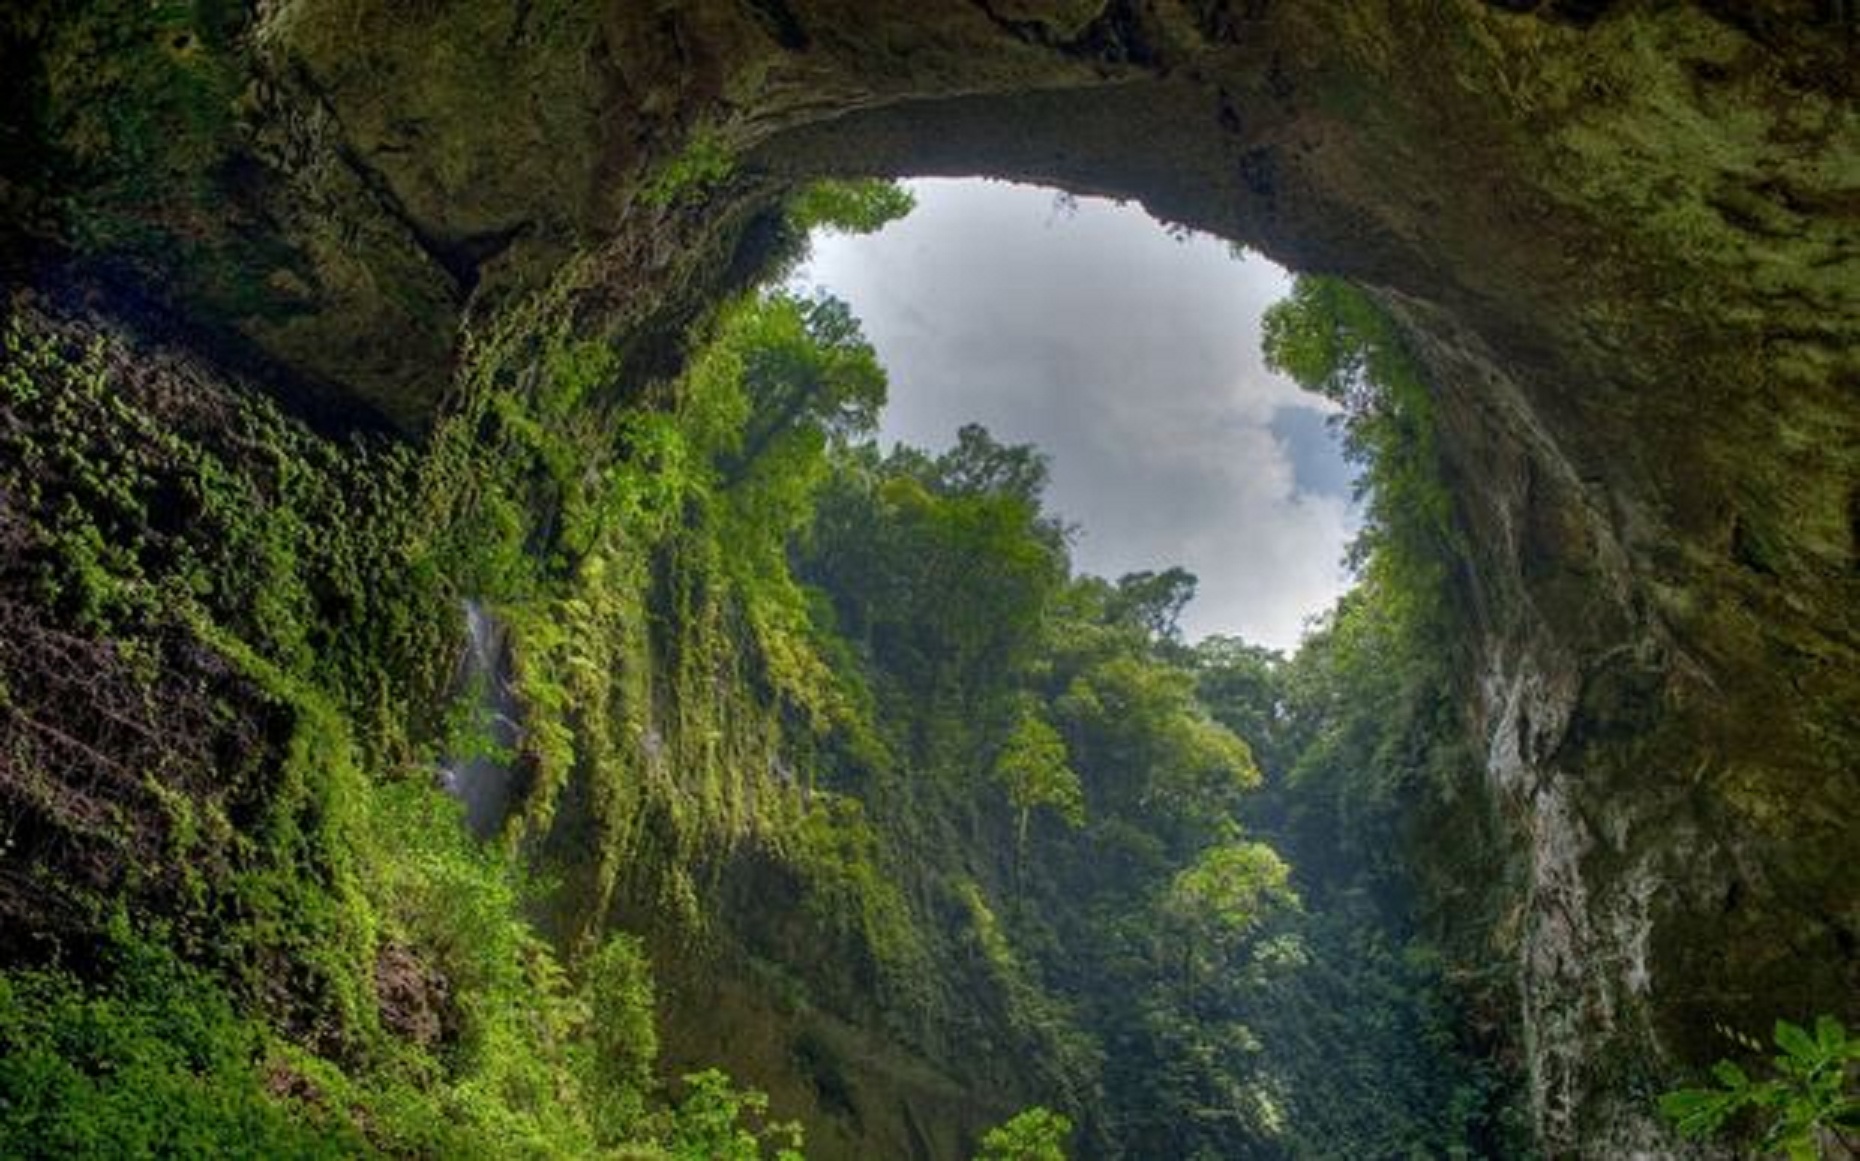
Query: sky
point(1131, 357)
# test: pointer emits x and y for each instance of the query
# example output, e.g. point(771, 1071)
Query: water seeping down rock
point(1625, 238)
point(482, 773)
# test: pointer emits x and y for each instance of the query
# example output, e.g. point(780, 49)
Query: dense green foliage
point(1333, 339)
point(160, 1062)
point(223, 690)
point(1189, 990)
point(1809, 1101)
point(1052, 776)
point(1357, 734)
point(792, 707)
point(849, 207)
point(1364, 740)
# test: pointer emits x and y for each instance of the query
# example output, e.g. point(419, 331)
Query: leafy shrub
point(1811, 1099)
point(1035, 1134)
point(156, 1064)
point(718, 1122)
point(849, 207)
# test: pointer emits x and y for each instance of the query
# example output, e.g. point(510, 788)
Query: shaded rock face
point(1626, 239)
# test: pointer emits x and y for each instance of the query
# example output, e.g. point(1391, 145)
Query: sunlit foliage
point(1035, 1134)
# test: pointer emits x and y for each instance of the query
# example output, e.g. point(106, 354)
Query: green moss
point(327, 893)
point(849, 890)
point(138, 109)
point(687, 178)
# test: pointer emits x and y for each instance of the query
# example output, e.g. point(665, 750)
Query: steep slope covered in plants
point(226, 697)
point(946, 832)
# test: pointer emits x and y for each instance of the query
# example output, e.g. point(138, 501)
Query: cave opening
point(1129, 352)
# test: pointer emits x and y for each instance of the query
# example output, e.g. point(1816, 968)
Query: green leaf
point(1697, 1111)
point(1730, 1075)
point(1832, 1037)
point(1792, 1135)
point(1795, 1040)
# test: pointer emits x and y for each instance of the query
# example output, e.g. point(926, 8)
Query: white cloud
point(1132, 359)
